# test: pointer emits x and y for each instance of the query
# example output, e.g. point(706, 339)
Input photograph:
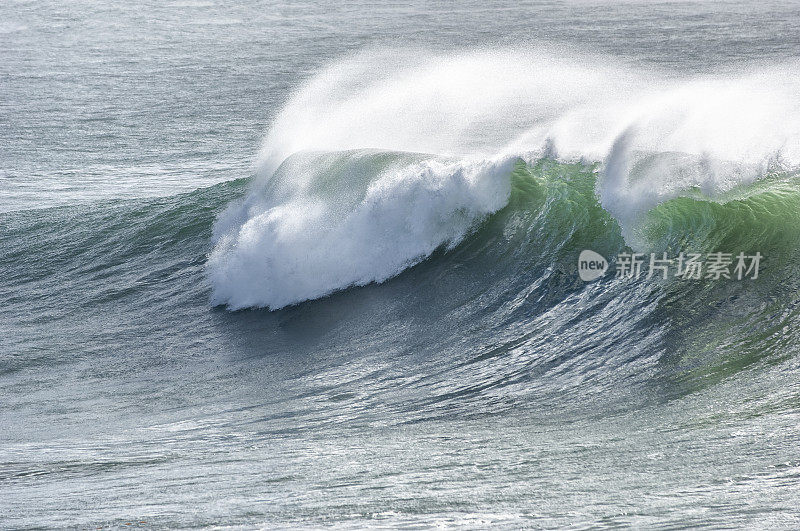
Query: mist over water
point(295, 266)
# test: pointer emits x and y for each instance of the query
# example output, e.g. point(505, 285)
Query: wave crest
point(343, 197)
point(311, 244)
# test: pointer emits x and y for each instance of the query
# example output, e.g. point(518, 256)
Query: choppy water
point(304, 265)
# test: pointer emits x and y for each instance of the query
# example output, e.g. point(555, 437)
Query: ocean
point(303, 265)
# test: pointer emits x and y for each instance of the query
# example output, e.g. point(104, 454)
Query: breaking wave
point(385, 157)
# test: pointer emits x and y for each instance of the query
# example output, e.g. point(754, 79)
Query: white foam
point(306, 247)
point(300, 235)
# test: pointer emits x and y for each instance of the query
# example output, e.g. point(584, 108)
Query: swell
point(663, 338)
point(500, 313)
point(88, 238)
point(551, 212)
point(91, 273)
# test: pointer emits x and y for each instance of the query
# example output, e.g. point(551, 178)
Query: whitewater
point(387, 155)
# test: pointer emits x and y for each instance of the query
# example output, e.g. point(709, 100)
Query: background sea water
point(470, 390)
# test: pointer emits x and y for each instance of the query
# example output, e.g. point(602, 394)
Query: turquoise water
point(297, 266)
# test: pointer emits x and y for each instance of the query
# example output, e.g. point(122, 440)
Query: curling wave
point(386, 156)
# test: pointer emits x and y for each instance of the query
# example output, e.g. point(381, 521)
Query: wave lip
point(310, 244)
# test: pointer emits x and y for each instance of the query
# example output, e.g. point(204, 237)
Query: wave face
point(386, 156)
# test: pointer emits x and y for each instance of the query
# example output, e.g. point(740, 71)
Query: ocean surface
point(316, 264)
